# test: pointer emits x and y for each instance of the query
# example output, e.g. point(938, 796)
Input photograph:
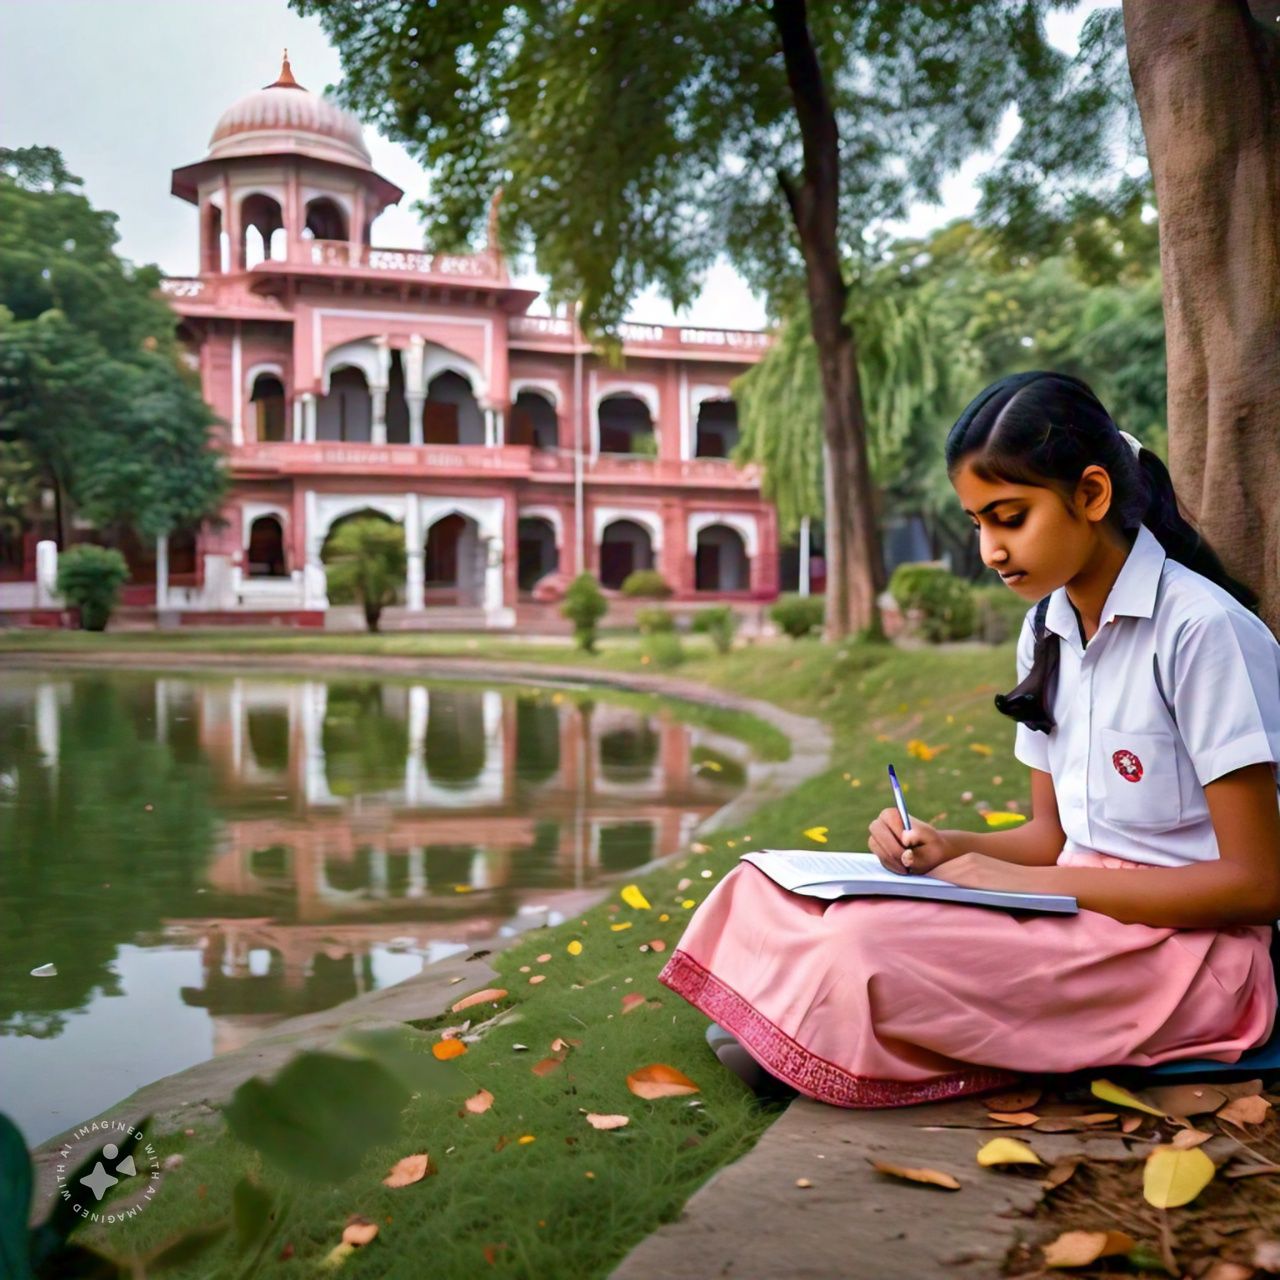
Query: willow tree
point(635, 143)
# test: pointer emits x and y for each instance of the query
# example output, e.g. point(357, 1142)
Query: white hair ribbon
point(1132, 441)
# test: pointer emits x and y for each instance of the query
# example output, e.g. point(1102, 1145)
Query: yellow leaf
point(855, 782)
point(446, 1049)
point(479, 997)
point(1007, 1151)
point(1117, 1096)
point(688, 903)
point(408, 1171)
point(660, 1081)
point(607, 1122)
point(618, 928)
point(462, 888)
point(337, 1256)
point(524, 1139)
point(574, 948)
point(634, 898)
point(817, 833)
point(980, 747)
point(1173, 1177)
point(930, 1176)
point(998, 819)
point(1080, 1248)
point(663, 918)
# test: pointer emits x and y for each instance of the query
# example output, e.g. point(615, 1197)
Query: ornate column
point(309, 416)
point(415, 390)
point(378, 392)
point(413, 586)
point(315, 587)
point(297, 419)
point(162, 573)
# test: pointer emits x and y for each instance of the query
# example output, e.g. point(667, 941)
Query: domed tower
point(285, 166)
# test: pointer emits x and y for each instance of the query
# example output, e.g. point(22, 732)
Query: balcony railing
point(339, 253)
point(653, 335)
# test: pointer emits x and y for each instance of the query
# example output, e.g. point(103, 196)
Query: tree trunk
point(855, 564)
point(1207, 79)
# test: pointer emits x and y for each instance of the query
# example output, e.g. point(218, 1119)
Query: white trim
point(551, 515)
point(437, 360)
point(331, 507)
point(251, 511)
point(256, 371)
point(487, 513)
point(247, 188)
point(400, 317)
point(342, 198)
point(237, 405)
point(360, 353)
point(648, 520)
point(747, 527)
point(698, 394)
point(686, 428)
point(544, 386)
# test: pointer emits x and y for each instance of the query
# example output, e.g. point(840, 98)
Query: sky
point(128, 90)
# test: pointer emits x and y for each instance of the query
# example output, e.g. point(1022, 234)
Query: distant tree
point(367, 561)
point(634, 143)
point(91, 380)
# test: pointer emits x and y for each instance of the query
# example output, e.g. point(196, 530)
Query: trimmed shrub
point(90, 578)
point(663, 649)
point(944, 603)
point(584, 605)
point(719, 622)
point(799, 615)
point(654, 619)
point(365, 561)
point(646, 584)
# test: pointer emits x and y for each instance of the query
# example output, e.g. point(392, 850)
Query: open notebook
point(841, 875)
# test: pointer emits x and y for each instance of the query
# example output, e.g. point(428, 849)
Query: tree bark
point(1207, 78)
point(855, 564)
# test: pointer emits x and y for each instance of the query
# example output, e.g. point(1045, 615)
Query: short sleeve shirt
point(1180, 685)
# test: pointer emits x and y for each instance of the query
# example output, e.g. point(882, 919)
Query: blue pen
point(907, 856)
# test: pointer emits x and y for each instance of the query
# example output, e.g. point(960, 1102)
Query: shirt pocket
point(1140, 780)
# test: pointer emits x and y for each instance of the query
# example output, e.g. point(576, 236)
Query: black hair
point(1043, 429)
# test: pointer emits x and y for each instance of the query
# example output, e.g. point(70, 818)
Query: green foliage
point(646, 584)
point(654, 619)
point(90, 578)
point(91, 379)
point(366, 561)
point(19, 485)
point(584, 605)
point(945, 602)
point(644, 444)
point(662, 649)
point(798, 615)
point(720, 623)
point(1000, 613)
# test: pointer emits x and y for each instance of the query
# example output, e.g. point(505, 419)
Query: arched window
point(626, 426)
point(717, 429)
point(538, 552)
point(268, 400)
point(533, 421)
point(720, 562)
point(325, 219)
point(451, 414)
point(262, 216)
point(346, 413)
point(453, 561)
point(625, 546)
point(266, 548)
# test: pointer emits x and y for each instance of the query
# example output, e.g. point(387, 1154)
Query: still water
point(202, 857)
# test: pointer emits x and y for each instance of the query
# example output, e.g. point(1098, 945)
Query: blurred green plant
point(798, 616)
point(646, 584)
point(584, 605)
point(366, 561)
point(90, 579)
point(945, 603)
point(720, 623)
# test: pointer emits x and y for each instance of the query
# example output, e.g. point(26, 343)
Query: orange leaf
point(405, 1172)
point(1014, 1117)
point(660, 1081)
point(658, 944)
point(544, 957)
point(1242, 1111)
point(480, 1102)
point(358, 1231)
point(930, 1176)
point(546, 1066)
point(607, 1122)
point(537, 978)
point(632, 1002)
point(1080, 1248)
point(446, 1049)
point(560, 1045)
point(479, 997)
point(491, 1252)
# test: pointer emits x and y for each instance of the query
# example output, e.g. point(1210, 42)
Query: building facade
point(414, 386)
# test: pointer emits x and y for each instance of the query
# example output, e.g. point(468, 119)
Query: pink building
point(356, 379)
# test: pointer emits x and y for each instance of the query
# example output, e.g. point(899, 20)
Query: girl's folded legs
point(737, 1059)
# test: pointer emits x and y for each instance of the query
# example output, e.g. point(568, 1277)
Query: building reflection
point(368, 828)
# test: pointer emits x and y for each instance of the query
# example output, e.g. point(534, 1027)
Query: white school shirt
point(1129, 776)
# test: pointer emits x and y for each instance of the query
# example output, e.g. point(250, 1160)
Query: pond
point(200, 857)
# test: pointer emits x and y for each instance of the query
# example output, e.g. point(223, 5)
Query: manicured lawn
point(573, 1200)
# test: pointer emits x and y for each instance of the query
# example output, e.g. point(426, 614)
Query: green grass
point(536, 1200)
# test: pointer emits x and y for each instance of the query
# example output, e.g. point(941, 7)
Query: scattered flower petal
point(358, 1231)
point(818, 834)
point(574, 948)
point(660, 1081)
point(931, 1176)
point(632, 896)
point(1007, 1151)
point(446, 1049)
point(478, 997)
point(607, 1122)
point(479, 1103)
point(403, 1174)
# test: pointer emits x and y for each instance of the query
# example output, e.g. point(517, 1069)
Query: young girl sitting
point(1149, 715)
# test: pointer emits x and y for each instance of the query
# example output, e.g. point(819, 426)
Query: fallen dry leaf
point(1223, 1270)
point(607, 1122)
point(1014, 1100)
point(817, 834)
point(479, 1103)
point(478, 997)
point(1014, 1117)
point(1007, 1151)
point(1062, 1171)
point(358, 1231)
point(618, 928)
point(658, 1080)
point(1243, 1111)
point(658, 944)
point(1172, 1177)
point(1186, 1099)
point(1080, 1248)
point(1130, 1124)
point(1185, 1139)
point(632, 896)
point(561, 1046)
point(1114, 1094)
point(682, 884)
point(544, 957)
point(537, 978)
point(404, 1173)
point(547, 1066)
point(1254, 1171)
point(491, 1252)
point(525, 1138)
point(446, 1049)
point(803, 1183)
point(932, 1177)
point(632, 1002)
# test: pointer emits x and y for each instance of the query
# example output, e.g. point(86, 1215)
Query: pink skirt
point(883, 1002)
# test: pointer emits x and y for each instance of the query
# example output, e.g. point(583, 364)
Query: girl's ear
point(1094, 493)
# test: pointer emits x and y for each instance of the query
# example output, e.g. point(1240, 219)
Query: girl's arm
point(1241, 887)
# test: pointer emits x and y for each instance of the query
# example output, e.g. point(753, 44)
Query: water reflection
point(302, 841)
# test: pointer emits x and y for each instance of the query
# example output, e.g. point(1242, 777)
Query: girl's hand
point(917, 851)
point(978, 871)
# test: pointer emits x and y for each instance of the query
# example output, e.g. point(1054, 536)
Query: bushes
point(945, 603)
point(1000, 614)
point(719, 622)
point(653, 620)
point(646, 584)
point(662, 649)
point(798, 615)
point(584, 605)
point(90, 578)
point(365, 560)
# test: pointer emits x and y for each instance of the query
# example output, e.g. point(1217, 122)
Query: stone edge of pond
point(191, 1098)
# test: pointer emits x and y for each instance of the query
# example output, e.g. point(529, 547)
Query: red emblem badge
point(1128, 766)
